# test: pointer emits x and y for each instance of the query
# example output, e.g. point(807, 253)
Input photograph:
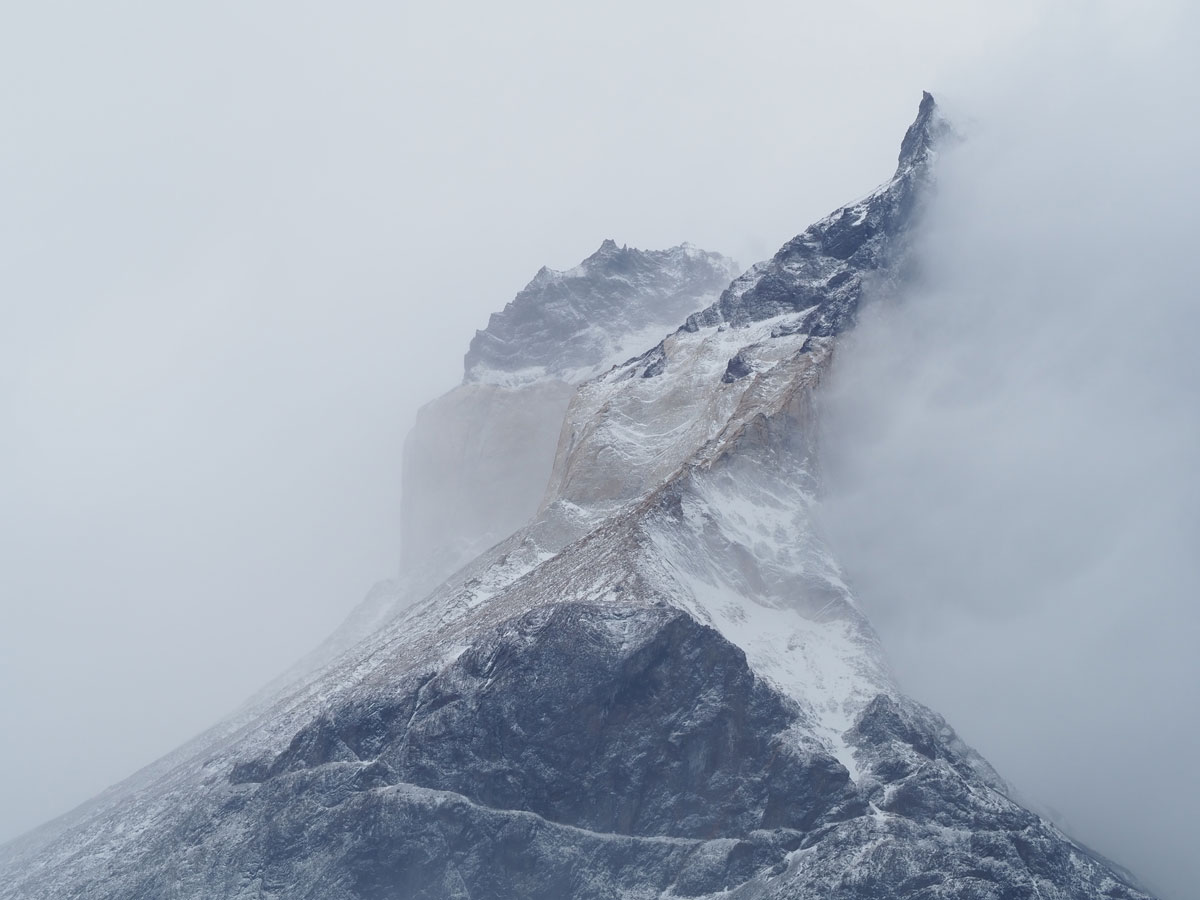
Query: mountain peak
point(923, 134)
point(573, 323)
point(822, 269)
point(605, 253)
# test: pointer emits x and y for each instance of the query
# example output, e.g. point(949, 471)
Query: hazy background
point(241, 243)
point(1012, 454)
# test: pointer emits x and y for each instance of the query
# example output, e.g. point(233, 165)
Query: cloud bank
point(1011, 451)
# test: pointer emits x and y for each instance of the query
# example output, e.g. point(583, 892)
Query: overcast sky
point(242, 243)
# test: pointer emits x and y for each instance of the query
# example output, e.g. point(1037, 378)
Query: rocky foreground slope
point(657, 686)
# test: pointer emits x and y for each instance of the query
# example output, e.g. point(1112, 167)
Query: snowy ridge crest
point(860, 247)
point(571, 324)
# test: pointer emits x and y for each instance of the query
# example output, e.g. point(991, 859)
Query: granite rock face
point(826, 269)
point(657, 686)
point(572, 324)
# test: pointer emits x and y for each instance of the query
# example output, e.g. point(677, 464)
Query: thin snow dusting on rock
point(477, 462)
point(573, 324)
point(623, 663)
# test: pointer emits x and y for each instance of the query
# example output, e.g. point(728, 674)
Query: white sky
point(243, 242)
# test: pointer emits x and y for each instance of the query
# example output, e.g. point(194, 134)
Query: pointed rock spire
point(923, 134)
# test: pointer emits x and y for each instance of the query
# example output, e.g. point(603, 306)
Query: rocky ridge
point(477, 461)
point(573, 324)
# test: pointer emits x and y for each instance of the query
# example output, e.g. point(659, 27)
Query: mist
point(1011, 450)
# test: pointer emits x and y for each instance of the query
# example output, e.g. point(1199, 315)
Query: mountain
point(657, 685)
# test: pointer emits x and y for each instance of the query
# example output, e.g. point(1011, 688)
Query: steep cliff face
point(825, 269)
point(659, 685)
point(574, 324)
point(477, 461)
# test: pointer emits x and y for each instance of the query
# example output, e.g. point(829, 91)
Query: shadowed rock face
point(617, 719)
point(577, 751)
point(620, 750)
point(477, 461)
point(828, 266)
point(660, 687)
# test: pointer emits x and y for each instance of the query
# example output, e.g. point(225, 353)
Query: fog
point(242, 243)
point(1012, 451)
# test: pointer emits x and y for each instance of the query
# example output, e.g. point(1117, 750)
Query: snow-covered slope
point(477, 461)
point(658, 686)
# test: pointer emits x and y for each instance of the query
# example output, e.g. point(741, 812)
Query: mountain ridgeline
point(621, 662)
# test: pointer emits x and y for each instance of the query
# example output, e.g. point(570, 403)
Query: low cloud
point(1011, 450)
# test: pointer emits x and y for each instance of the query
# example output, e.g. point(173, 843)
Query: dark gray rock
point(565, 322)
point(623, 750)
point(738, 367)
point(826, 268)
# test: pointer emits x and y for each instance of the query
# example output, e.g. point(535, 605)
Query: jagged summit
point(927, 130)
point(570, 324)
point(657, 685)
point(823, 270)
